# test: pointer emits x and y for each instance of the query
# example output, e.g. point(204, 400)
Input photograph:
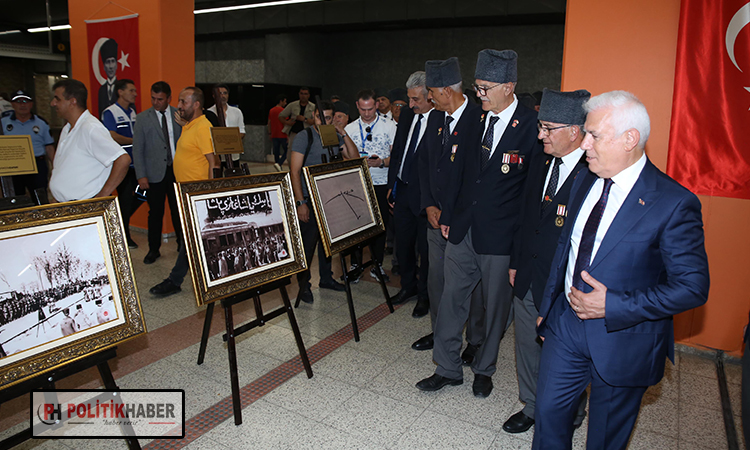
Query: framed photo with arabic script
point(344, 202)
point(241, 232)
point(66, 286)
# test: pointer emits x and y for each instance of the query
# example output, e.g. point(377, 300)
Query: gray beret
point(497, 66)
point(341, 107)
point(563, 107)
point(439, 73)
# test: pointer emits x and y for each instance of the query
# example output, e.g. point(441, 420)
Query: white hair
point(417, 80)
point(458, 87)
point(627, 112)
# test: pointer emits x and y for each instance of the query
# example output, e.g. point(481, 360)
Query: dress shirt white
point(170, 127)
point(569, 161)
point(457, 114)
point(505, 116)
point(422, 127)
point(622, 184)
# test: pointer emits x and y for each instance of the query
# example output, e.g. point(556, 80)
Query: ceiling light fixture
point(44, 29)
point(253, 5)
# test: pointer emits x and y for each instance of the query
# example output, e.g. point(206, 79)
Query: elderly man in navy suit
point(479, 221)
point(631, 256)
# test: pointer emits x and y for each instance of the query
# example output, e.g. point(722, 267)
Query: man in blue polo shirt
point(22, 122)
point(119, 119)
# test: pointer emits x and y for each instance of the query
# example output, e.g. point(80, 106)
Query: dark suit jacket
point(536, 239)
point(489, 201)
point(652, 261)
point(149, 145)
point(104, 99)
point(436, 167)
point(411, 193)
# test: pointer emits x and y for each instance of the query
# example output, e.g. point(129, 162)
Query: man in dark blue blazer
point(479, 221)
point(631, 256)
point(545, 200)
point(404, 183)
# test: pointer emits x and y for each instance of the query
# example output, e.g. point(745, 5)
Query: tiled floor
point(362, 394)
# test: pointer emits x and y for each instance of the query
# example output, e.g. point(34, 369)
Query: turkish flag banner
point(114, 52)
point(709, 143)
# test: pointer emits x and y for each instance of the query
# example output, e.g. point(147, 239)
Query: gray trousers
point(529, 354)
point(528, 350)
point(436, 278)
point(464, 269)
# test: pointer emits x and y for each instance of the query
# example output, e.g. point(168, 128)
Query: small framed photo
point(241, 232)
point(66, 286)
point(344, 202)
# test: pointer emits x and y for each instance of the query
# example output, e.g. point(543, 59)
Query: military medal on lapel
point(453, 151)
point(561, 213)
point(520, 162)
point(506, 163)
point(440, 131)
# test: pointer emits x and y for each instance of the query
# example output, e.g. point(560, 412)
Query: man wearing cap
point(22, 122)
point(543, 214)
point(630, 256)
point(383, 103)
point(399, 99)
point(107, 92)
point(340, 114)
point(88, 162)
point(404, 188)
point(155, 140)
point(483, 204)
point(459, 117)
point(119, 119)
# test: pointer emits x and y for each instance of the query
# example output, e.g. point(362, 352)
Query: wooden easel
point(48, 380)
point(349, 277)
point(259, 321)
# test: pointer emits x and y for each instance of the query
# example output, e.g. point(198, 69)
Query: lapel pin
point(440, 130)
point(641, 202)
point(481, 119)
point(515, 123)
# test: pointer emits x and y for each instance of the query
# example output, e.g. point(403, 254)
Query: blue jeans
point(279, 144)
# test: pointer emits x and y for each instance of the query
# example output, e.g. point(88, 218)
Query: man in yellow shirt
point(193, 160)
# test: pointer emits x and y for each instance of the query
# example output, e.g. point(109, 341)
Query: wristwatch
point(300, 203)
point(382, 164)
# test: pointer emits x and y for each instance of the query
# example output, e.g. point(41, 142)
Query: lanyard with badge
point(369, 133)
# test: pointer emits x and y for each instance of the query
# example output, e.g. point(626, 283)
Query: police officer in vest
point(119, 119)
point(22, 122)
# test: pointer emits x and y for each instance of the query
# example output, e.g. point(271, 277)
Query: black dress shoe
point(332, 285)
point(151, 256)
point(165, 288)
point(403, 296)
point(437, 382)
point(482, 386)
point(468, 355)
point(131, 243)
point(518, 423)
point(422, 307)
point(424, 343)
point(306, 296)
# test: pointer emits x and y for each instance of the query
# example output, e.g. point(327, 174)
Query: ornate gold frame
point(204, 293)
point(117, 258)
point(312, 172)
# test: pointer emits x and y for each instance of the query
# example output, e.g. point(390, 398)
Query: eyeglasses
point(482, 90)
point(546, 130)
point(22, 100)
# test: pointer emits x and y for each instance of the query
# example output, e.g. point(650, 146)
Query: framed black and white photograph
point(343, 199)
point(68, 288)
point(242, 232)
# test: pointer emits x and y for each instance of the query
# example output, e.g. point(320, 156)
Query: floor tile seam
point(370, 320)
point(433, 411)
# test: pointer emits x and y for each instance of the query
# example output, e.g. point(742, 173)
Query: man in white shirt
point(373, 135)
point(630, 257)
point(232, 116)
point(88, 162)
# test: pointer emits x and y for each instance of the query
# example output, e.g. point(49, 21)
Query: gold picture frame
point(344, 202)
point(68, 289)
point(241, 232)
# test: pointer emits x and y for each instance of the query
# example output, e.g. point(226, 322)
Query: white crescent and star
point(738, 22)
point(95, 60)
